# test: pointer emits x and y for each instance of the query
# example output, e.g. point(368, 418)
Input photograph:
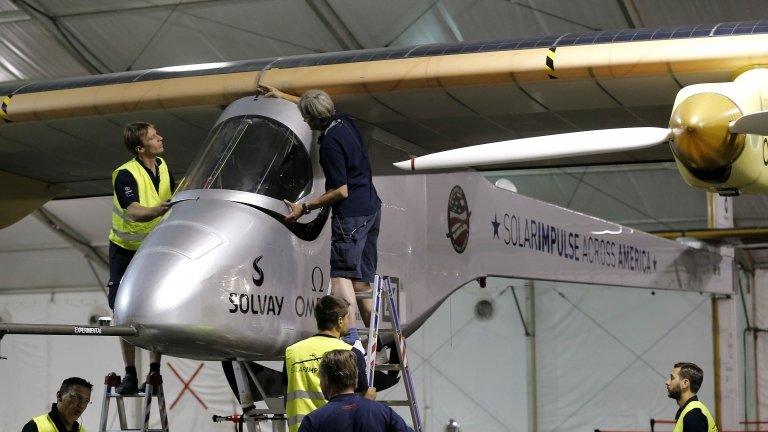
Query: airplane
point(223, 277)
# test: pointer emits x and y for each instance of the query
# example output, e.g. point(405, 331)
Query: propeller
point(706, 132)
point(542, 147)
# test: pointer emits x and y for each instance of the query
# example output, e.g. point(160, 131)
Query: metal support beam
point(68, 330)
point(449, 22)
point(87, 60)
point(13, 16)
point(712, 234)
point(628, 8)
point(394, 141)
point(335, 25)
point(72, 237)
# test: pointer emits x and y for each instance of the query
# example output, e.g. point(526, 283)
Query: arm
point(695, 421)
point(326, 199)
point(362, 388)
point(395, 423)
point(31, 426)
point(139, 213)
point(333, 161)
point(269, 91)
point(306, 425)
point(127, 192)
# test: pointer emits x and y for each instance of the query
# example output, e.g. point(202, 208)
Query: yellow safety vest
point(302, 363)
point(712, 426)
point(45, 424)
point(125, 232)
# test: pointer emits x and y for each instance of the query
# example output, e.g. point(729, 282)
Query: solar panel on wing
point(583, 38)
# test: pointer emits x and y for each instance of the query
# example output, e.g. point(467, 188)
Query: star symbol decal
point(496, 225)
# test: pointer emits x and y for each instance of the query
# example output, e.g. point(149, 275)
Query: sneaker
point(129, 386)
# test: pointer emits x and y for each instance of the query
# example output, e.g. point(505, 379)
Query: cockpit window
point(253, 154)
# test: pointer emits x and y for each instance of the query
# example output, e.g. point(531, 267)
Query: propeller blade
point(755, 123)
point(542, 147)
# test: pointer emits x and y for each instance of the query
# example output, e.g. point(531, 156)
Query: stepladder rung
point(136, 395)
point(395, 402)
point(385, 304)
point(389, 367)
point(135, 430)
point(154, 391)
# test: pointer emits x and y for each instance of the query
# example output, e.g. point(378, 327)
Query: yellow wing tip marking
point(550, 63)
point(4, 102)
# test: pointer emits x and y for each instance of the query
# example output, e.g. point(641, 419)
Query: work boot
point(129, 386)
point(154, 378)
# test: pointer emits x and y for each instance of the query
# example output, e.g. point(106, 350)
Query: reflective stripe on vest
point(45, 424)
point(302, 361)
point(711, 425)
point(125, 232)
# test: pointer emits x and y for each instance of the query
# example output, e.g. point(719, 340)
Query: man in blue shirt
point(346, 411)
point(350, 191)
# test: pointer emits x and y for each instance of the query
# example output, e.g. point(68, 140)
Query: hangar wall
point(602, 354)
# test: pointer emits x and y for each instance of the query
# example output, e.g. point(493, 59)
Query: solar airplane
point(223, 277)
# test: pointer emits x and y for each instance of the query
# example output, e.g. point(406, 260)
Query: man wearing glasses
point(71, 401)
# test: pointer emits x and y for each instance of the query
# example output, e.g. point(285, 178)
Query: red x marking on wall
point(186, 385)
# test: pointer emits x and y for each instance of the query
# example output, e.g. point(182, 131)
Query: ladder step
point(389, 367)
point(137, 395)
point(135, 430)
point(396, 402)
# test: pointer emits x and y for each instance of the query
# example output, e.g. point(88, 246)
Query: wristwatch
point(305, 209)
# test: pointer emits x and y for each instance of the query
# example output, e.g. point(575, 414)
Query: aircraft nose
point(160, 275)
point(190, 272)
point(165, 274)
point(702, 140)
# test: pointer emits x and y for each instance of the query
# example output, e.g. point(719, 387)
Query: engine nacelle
point(708, 156)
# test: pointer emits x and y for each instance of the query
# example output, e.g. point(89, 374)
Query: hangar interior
point(517, 355)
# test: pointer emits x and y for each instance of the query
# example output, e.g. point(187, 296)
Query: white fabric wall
point(470, 370)
point(36, 365)
point(603, 354)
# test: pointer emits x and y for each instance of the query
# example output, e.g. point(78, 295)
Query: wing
point(411, 101)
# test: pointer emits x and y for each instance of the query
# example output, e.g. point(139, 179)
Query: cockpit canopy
point(256, 154)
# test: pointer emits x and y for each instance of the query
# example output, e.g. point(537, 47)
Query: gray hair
point(316, 105)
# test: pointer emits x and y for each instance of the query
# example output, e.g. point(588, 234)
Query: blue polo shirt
point(345, 162)
point(352, 413)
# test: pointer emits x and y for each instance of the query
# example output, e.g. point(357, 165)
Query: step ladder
point(154, 381)
point(382, 287)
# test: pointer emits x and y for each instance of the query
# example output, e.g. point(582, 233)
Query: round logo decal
point(458, 219)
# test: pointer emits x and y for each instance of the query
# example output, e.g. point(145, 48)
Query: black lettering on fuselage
point(256, 304)
point(305, 306)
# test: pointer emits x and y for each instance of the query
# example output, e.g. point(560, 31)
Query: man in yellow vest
point(683, 384)
point(302, 361)
point(142, 188)
point(72, 399)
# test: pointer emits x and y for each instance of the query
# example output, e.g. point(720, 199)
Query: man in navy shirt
point(350, 191)
point(346, 411)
